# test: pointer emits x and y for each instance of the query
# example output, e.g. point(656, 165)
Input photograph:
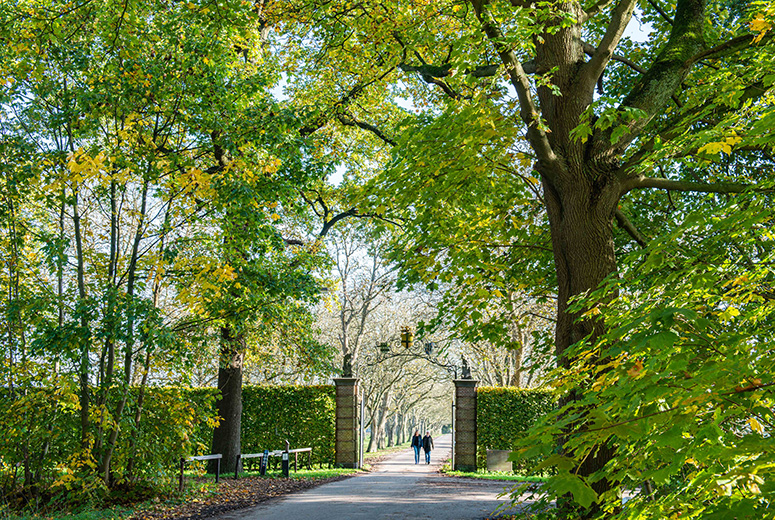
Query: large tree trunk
point(226, 437)
point(581, 223)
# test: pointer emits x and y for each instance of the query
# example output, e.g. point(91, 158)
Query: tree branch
point(445, 70)
point(594, 68)
point(641, 182)
point(661, 11)
point(630, 228)
point(336, 218)
point(347, 120)
point(677, 126)
point(596, 9)
point(528, 109)
point(589, 50)
point(442, 85)
point(728, 47)
point(653, 90)
point(348, 98)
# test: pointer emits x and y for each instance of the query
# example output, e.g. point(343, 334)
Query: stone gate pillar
point(465, 424)
point(346, 422)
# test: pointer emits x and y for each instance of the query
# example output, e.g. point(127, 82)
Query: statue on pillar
point(347, 366)
point(466, 370)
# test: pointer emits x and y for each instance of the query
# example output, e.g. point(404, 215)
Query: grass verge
point(490, 475)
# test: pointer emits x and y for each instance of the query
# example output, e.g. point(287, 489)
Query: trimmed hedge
point(304, 415)
point(504, 414)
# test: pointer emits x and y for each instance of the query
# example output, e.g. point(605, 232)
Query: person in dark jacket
point(427, 446)
point(416, 443)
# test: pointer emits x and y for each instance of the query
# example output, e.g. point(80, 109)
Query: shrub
point(41, 452)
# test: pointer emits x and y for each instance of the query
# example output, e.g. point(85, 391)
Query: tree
point(604, 118)
point(152, 171)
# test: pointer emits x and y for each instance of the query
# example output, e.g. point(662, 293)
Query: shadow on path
point(397, 489)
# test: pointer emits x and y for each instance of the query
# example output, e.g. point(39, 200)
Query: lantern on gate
point(407, 337)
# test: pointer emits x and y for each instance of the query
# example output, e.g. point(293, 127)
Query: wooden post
point(262, 466)
point(285, 466)
point(182, 465)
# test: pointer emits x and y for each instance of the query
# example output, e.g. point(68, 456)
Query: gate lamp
point(407, 337)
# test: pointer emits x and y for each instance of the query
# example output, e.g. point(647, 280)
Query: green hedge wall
point(504, 414)
point(305, 415)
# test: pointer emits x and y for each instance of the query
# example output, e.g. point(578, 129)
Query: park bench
point(275, 453)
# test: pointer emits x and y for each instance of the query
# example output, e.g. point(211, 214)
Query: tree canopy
point(158, 189)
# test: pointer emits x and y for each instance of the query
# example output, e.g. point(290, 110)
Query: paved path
point(396, 489)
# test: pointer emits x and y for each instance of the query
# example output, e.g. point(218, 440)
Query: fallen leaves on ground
point(231, 495)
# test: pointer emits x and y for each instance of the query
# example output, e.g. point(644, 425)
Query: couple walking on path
point(426, 443)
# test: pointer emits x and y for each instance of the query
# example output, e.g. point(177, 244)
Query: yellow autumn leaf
point(715, 148)
point(755, 425)
point(729, 313)
point(761, 26)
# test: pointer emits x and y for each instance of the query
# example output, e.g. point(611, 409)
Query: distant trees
point(363, 315)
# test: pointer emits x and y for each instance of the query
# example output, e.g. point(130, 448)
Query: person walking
point(416, 443)
point(427, 446)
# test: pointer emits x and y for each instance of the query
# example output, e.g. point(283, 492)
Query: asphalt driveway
point(397, 489)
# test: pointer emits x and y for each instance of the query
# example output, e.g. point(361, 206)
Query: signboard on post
point(286, 465)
